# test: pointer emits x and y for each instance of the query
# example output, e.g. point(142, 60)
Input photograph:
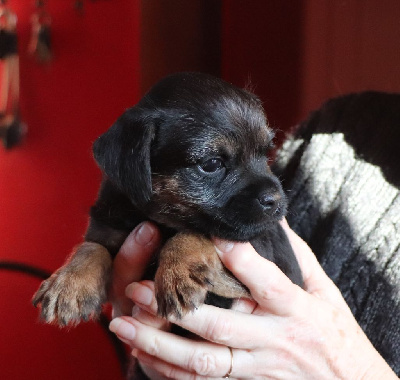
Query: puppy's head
point(193, 155)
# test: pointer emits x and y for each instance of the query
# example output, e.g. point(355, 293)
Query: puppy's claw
point(37, 298)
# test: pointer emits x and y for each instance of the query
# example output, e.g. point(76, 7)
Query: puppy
point(191, 156)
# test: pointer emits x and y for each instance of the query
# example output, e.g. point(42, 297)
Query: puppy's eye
point(212, 165)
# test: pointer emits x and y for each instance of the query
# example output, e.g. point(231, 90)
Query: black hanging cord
point(103, 320)
point(24, 268)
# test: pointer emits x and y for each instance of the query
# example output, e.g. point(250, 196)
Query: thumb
point(132, 260)
point(316, 281)
point(268, 285)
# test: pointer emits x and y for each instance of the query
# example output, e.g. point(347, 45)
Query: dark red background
point(296, 54)
point(48, 184)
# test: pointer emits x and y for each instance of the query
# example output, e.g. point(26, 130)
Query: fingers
point(244, 305)
point(131, 262)
point(157, 369)
point(135, 253)
point(227, 327)
point(150, 319)
point(309, 264)
point(169, 371)
point(202, 358)
point(316, 281)
point(145, 291)
point(269, 287)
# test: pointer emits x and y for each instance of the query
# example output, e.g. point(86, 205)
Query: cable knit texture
point(341, 171)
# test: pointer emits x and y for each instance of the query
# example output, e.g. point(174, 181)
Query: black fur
point(157, 159)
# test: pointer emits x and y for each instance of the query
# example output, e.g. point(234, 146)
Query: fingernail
point(223, 246)
point(135, 311)
point(122, 329)
point(144, 234)
point(139, 293)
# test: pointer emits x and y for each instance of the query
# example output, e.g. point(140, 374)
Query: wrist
point(348, 353)
point(365, 362)
point(378, 369)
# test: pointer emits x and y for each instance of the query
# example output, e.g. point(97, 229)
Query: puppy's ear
point(123, 153)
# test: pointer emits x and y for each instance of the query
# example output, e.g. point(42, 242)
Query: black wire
point(103, 320)
point(24, 268)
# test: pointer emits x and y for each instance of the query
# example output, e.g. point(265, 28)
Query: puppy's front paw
point(189, 268)
point(181, 288)
point(77, 290)
point(66, 298)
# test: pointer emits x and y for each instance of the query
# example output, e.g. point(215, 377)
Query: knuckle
point(170, 373)
point(266, 294)
point(220, 330)
point(203, 363)
point(154, 347)
point(272, 286)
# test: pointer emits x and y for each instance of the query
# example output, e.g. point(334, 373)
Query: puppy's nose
point(269, 201)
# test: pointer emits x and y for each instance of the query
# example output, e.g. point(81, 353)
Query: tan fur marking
point(189, 268)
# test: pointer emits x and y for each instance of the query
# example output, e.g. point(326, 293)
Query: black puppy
point(192, 157)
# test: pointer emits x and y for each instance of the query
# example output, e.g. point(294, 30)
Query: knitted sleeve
point(341, 172)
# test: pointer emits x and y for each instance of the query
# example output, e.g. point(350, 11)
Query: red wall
point(48, 184)
point(300, 53)
point(179, 35)
point(348, 46)
point(261, 44)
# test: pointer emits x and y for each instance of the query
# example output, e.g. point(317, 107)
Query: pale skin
point(284, 333)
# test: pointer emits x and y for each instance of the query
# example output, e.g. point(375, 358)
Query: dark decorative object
point(78, 5)
point(11, 128)
point(40, 44)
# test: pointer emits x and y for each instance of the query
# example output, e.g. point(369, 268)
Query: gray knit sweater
point(342, 174)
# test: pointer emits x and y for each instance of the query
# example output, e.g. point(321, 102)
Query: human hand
point(130, 265)
point(291, 333)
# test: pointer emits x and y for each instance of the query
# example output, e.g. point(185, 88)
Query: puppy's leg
point(77, 290)
point(189, 268)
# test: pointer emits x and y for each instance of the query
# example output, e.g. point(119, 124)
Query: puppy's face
point(207, 165)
